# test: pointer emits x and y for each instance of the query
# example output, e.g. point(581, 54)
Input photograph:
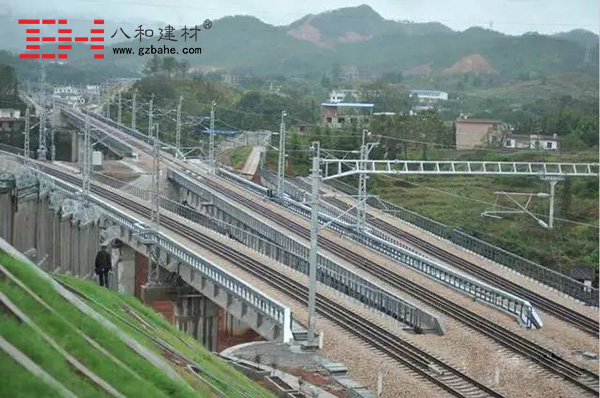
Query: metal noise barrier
point(277, 245)
point(521, 309)
point(586, 294)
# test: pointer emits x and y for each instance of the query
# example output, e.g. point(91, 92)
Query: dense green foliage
point(8, 86)
point(356, 36)
point(402, 134)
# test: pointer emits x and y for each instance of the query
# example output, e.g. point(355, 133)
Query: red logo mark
point(48, 39)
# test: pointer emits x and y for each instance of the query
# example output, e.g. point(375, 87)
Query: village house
point(10, 120)
point(531, 141)
point(344, 114)
point(473, 133)
point(427, 99)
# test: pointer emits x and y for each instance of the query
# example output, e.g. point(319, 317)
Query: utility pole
point(153, 264)
point(98, 98)
point(26, 132)
point(361, 208)
point(552, 181)
point(281, 163)
point(108, 106)
point(211, 139)
point(133, 110)
point(87, 158)
point(51, 133)
point(178, 130)
point(314, 235)
point(119, 111)
point(150, 118)
point(42, 126)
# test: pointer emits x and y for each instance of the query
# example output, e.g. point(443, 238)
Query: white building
point(10, 113)
point(533, 141)
point(427, 99)
point(429, 95)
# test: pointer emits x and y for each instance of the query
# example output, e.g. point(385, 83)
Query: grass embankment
point(238, 157)
point(120, 366)
point(459, 201)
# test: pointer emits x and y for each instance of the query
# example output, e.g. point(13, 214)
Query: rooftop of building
point(348, 104)
point(478, 121)
point(536, 136)
point(428, 92)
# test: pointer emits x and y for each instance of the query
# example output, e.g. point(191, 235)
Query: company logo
point(64, 38)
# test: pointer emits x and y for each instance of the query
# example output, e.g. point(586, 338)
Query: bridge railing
point(15, 150)
point(296, 255)
point(262, 303)
point(286, 250)
point(551, 278)
point(516, 306)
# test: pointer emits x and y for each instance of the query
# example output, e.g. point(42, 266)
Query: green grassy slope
point(100, 349)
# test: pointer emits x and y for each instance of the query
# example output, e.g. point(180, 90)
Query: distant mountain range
point(360, 37)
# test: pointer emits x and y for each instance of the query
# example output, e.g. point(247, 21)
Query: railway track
point(446, 377)
point(553, 308)
point(578, 376)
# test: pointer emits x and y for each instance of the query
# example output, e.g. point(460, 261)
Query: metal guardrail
point(134, 133)
point(586, 294)
point(262, 303)
point(295, 255)
point(15, 150)
point(561, 282)
point(551, 278)
point(116, 146)
point(516, 306)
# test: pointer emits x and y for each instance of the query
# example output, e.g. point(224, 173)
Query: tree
point(152, 66)
point(8, 83)
point(169, 65)
point(392, 77)
point(336, 73)
point(183, 67)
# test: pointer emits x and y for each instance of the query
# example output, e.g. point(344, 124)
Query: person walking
point(103, 266)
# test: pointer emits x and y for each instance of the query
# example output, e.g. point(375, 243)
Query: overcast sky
point(508, 16)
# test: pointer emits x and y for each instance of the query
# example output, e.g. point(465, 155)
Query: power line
point(488, 203)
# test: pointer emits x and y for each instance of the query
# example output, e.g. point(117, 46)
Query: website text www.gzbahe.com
point(152, 50)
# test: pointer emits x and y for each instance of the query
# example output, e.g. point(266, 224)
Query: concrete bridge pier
point(125, 270)
point(6, 217)
point(197, 316)
point(78, 245)
point(25, 224)
point(76, 147)
point(197, 203)
point(55, 239)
